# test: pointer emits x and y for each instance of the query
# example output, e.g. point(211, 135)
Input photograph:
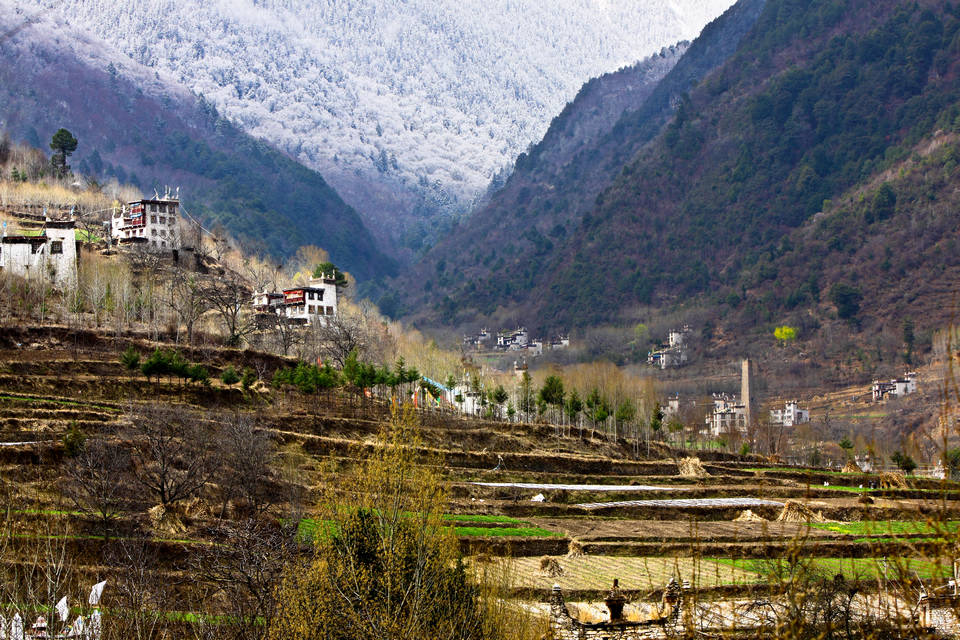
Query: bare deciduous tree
point(172, 458)
point(229, 298)
point(243, 569)
point(246, 455)
point(186, 296)
point(95, 483)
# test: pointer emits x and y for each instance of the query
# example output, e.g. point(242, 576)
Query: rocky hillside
point(136, 126)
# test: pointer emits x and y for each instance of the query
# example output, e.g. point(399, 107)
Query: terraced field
point(514, 489)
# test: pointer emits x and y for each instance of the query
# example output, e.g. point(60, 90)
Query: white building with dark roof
point(153, 223)
point(49, 252)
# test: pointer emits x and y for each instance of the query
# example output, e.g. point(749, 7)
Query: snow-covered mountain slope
point(404, 106)
point(136, 126)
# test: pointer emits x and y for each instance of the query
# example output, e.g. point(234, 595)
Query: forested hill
point(139, 129)
point(494, 255)
point(819, 100)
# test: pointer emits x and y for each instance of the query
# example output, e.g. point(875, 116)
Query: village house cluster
point(896, 388)
point(306, 305)
point(675, 353)
point(514, 340)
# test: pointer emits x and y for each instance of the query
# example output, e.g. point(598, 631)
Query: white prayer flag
point(16, 628)
point(96, 592)
point(93, 632)
point(63, 610)
point(3, 628)
point(77, 630)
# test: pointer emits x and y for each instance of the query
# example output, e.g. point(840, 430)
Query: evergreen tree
point(63, 145)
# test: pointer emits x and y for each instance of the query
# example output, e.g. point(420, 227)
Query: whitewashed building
point(791, 414)
point(316, 302)
point(729, 415)
point(49, 252)
point(675, 354)
point(154, 224)
point(896, 388)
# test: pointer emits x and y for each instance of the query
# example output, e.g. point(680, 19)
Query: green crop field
point(467, 517)
point(850, 568)
point(888, 527)
point(495, 532)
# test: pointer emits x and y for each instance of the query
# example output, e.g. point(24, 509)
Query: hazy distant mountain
point(139, 127)
point(408, 108)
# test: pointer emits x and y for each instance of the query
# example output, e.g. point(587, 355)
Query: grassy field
point(307, 529)
point(888, 527)
point(466, 517)
point(850, 568)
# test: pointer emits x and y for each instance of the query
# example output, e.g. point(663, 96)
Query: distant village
point(515, 340)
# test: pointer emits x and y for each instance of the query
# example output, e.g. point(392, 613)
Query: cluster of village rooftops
point(44, 244)
point(514, 340)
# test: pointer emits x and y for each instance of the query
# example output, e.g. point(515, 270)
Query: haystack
point(574, 549)
point(749, 516)
point(851, 467)
point(195, 508)
point(166, 520)
point(865, 499)
point(551, 567)
point(692, 468)
point(892, 480)
point(794, 511)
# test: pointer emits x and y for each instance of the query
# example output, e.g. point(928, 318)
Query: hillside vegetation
point(540, 208)
point(819, 98)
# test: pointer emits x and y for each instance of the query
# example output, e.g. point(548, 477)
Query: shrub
point(73, 441)
point(229, 376)
point(247, 377)
point(130, 359)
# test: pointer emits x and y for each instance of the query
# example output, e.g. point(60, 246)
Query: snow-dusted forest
point(423, 94)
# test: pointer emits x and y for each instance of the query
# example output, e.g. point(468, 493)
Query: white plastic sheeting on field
point(686, 503)
point(579, 487)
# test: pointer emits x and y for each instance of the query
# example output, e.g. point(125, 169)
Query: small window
point(33, 248)
point(163, 244)
point(163, 220)
point(153, 219)
point(320, 295)
point(153, 208)
point(329, 311)
point(163, 208)
point(56, 246)
point(153, 232)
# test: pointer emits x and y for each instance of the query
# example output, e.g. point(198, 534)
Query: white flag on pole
point(63, 610)
point(96, 592)
point(93, 632)
point(16, 628)
point(77, 630)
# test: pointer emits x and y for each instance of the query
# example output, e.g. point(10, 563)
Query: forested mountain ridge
point(819, 97)
point(557, 182)
point(822, 96)
point(407, 108)
point(136, 127)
